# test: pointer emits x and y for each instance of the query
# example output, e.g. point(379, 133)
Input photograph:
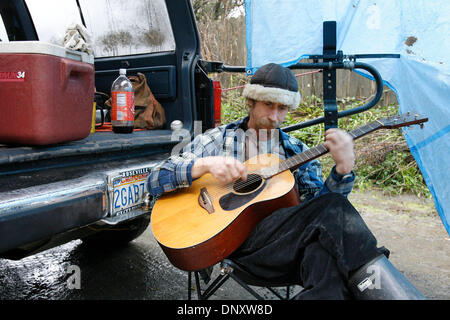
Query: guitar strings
point(229, 186)
point(273, 170)
point(250, 180)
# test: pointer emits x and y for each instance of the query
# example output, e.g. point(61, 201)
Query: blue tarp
point(286, 31)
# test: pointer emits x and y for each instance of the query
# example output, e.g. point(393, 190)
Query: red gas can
point(46, 93)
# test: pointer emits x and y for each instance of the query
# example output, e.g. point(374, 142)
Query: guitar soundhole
point(252, 183)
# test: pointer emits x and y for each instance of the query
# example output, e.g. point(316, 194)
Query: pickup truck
point(50, 195)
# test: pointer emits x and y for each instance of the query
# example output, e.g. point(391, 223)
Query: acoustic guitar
point(201, 225)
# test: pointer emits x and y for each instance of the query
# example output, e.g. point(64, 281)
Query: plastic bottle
point(122, 102)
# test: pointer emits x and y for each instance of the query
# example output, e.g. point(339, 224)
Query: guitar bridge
point(204, 199)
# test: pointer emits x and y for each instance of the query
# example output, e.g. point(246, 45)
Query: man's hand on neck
point(340, 145)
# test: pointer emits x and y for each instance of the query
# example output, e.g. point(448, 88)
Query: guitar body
point(194, 237)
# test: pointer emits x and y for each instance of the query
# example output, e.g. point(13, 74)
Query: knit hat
point(274, 83)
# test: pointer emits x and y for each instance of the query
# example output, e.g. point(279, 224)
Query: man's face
point(266, 115)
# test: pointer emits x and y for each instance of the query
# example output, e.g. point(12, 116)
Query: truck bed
point(52, 163)
point(96, 143)
point(23, 167)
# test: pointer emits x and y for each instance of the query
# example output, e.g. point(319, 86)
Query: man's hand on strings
point(224, 169)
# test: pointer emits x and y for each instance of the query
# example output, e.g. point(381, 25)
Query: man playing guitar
point(321, 244)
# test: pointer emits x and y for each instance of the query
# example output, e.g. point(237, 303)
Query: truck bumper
point(37, 213)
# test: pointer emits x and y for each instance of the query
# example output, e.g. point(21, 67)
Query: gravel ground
point(412, 230)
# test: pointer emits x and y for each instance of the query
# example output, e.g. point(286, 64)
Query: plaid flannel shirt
point(175, 172)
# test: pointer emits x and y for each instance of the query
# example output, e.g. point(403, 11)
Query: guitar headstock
point(402, 120)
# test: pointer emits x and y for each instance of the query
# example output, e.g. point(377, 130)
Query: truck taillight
point(217, 88)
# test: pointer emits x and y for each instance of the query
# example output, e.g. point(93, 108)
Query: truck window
point(52, 17)
point(128, 27)
point(118, 27)
point(3, 33)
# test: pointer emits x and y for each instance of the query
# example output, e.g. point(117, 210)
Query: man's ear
point(250, 103)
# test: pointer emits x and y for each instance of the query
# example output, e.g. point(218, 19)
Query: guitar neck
point(299, 159)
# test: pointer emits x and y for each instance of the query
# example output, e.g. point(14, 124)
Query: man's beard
point(268, 124)
point(267, 128)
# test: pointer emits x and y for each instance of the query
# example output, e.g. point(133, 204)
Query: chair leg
point(279, 296)
point(197, 285)
point(189, 284)
point(246, 287)
point(219, 281)
point(215, 285)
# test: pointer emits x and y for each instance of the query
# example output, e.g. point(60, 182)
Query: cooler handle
point(70, 68)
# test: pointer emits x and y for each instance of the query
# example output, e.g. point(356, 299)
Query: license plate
point(127, 190)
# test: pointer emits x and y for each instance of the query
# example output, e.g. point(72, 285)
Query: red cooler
point(46, 93)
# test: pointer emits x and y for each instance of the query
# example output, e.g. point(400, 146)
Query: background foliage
point(383, 157)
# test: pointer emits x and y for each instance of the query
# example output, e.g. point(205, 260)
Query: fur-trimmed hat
point(274, 83)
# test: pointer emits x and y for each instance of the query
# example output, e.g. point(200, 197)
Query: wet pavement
point(419, 245)
point(133, 271)
point(75, 271)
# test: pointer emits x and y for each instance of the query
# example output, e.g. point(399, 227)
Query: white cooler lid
point(45, 48)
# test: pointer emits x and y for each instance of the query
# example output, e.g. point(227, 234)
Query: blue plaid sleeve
point(168, 176)
point(339, 184)
point(175, 172)
point(309, 177)
point(310, 181)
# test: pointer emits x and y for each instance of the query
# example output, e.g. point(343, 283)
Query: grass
point(383, 159)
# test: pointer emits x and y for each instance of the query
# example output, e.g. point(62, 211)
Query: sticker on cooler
point(12, 76)
point(122, 106)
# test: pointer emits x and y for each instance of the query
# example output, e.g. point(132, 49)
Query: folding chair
point(230, 269)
